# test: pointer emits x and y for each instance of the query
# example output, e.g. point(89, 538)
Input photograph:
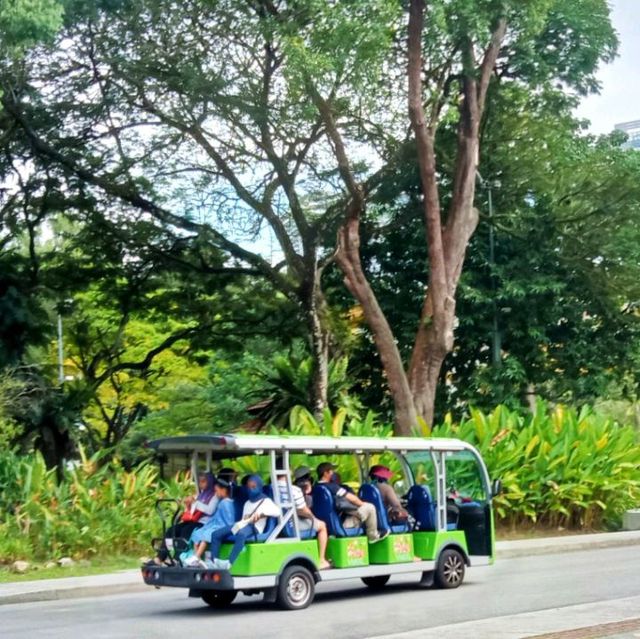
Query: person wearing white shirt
point(254, 519)
point(306, 519)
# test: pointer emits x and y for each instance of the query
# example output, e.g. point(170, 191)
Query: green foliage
point(287, 381)
point(564, 279)
point(559, 467)
point(24, 322)
point(94, 510)
point(11, 390)
point(24, 23)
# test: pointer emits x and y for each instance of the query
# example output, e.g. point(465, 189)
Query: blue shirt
point(225, 514)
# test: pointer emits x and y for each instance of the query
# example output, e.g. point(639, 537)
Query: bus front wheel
point(450, 570)
point(219, 598)
point(376, 583)
point(296, 588)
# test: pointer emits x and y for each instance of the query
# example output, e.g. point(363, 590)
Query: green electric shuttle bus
point(443, 484)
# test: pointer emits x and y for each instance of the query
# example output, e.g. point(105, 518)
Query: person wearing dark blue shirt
point(354, 510)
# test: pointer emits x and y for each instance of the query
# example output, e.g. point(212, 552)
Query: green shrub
point(96, 509)
point(558, 467)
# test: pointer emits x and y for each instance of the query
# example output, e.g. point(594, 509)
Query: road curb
point(114, 583)
point(79, 592)
point(573, 543)
point(131, 581)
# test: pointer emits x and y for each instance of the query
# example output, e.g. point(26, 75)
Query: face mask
point(254, 493)
point(334, 477)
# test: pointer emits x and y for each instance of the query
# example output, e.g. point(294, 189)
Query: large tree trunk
point(320, 338)
point(348, 258)
point(446, 246)
point(434, 335)
point(414, 390)
point(434, 340)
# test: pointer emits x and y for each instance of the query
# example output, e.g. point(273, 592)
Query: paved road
point(341, 610)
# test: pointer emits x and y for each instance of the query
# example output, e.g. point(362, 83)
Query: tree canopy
point(183, 179)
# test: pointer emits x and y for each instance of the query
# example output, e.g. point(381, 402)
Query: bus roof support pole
point(194, 467)
point(288, 511)
point(406, 469)
point(441, 489)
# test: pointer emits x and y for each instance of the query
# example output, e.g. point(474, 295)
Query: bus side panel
point(394, 549)
point(348, 552)
point(427, 544)
point(492, 532)
point(267, 559)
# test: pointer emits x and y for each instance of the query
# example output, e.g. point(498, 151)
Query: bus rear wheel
point(450, 570)
point(219, 598)
point(296, 588)
point(376, 583)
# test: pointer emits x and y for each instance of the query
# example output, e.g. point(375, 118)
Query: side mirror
point(496, 487)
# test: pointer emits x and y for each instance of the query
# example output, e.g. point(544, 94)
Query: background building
point(632, 129)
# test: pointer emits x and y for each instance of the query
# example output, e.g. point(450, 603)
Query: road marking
point(530, 625)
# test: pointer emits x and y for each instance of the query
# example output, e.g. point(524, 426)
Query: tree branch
point(127, 194)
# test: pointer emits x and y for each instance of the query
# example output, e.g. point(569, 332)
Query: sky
point(619, 99)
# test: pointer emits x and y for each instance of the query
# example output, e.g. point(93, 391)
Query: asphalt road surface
point(341, 610)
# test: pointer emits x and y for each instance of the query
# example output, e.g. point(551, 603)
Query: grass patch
point(97, 566)
point(505, 533)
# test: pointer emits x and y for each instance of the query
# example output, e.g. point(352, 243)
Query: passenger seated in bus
point(199, 509)
point(228, 474)
point(353, 510)
point(223, 518)
point(380, 476)
point(337, 477)
point(303, 480)
point(306, 519)
point(254, 515)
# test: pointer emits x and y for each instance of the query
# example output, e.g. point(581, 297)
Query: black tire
point(219, 598)
point(296, 588)
point(450, 570)
point(376, 583)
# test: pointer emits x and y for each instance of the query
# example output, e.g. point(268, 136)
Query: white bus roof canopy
point(238, 444)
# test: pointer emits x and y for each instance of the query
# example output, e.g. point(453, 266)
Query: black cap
point(227, 472)
point(302, 471)
point(223, 482)
point(323, 468)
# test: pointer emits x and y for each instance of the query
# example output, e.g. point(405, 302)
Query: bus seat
point(371, 494)
point(272, 522)
point(270, 525)
point(304, 534)
point(240, 497)
point(287, 531)
point(324, 509)
point(421, 507)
